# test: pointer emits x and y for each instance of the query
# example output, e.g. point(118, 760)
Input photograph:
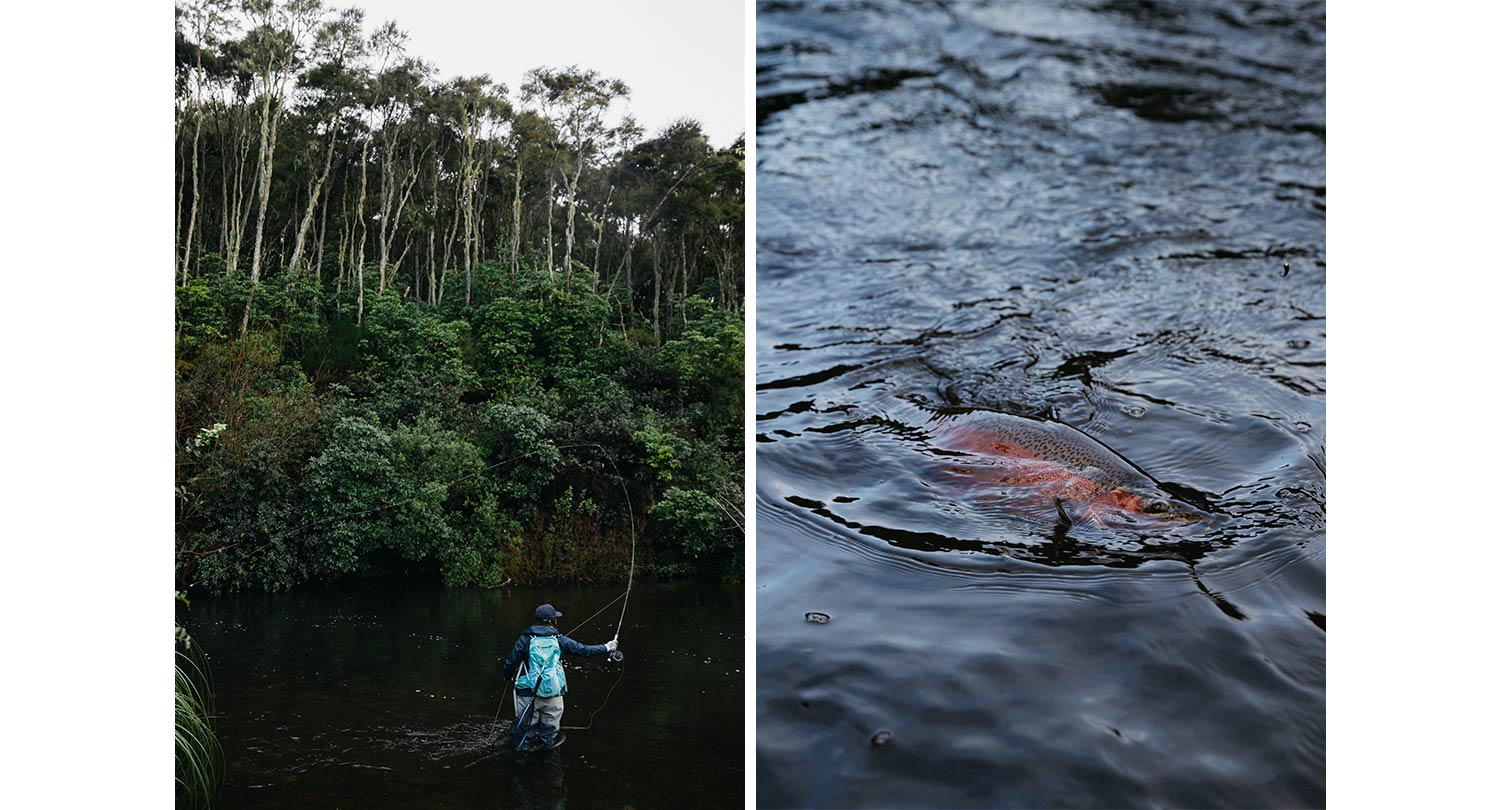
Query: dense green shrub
point(447, 326)
point(688, 529)
point(519, 439)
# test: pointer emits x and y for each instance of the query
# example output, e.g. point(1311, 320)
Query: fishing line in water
point(611, 691)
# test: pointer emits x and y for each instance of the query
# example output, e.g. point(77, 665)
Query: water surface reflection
point(1104, 214)
point(384, 693)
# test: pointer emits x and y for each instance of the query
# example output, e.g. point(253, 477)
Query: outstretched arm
point(572, 647)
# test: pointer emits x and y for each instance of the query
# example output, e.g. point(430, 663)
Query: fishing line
point(509, 684)
point(601, 610)
point(615, 655)
point(630, 511)
point(611, 691)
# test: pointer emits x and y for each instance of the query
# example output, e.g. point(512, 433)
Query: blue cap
point(545, 612)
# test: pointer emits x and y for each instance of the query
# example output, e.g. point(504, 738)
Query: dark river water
point(1105, 214)
point(383, 694)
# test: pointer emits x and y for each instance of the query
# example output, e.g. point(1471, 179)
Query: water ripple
point(1106, 214)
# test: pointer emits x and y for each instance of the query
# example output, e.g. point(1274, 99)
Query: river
point(383, 693)
point(1105, 214)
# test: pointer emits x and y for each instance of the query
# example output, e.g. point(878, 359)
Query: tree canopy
point(430, 324)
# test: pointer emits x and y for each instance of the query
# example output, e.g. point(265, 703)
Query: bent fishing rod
point(614, 655)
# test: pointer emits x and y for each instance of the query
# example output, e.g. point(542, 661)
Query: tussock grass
point(199, 757)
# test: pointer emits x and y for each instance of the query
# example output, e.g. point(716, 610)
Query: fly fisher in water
point(540, 687)
point(1057, 466)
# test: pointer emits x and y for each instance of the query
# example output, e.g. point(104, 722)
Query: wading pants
point(546, 719)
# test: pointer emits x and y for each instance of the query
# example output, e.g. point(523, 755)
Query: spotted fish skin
point(1060, 463)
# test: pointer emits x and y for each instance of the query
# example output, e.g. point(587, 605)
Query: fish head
point(1153, 505)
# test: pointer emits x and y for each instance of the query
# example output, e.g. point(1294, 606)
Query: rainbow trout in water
point(1085, 481)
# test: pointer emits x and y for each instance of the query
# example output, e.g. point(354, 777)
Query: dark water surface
point(1107, 214)
point(383, 694)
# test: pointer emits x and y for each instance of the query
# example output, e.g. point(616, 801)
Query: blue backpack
point(544, 672)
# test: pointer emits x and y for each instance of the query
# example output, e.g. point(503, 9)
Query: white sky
point(681, 58)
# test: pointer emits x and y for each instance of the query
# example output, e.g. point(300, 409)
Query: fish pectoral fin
point(1092, 517)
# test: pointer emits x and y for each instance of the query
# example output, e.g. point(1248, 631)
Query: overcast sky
point(681, 58)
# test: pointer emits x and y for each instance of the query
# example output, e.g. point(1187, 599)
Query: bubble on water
point(818, 618)
point(881, 739)
point(1134, 411)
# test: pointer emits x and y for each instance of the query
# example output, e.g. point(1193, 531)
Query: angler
point(542, 683)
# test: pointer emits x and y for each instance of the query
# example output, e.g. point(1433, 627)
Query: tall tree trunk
point(360, 234)
point(395, 220)
point(515, 222)
point(468, 244)
point(469, 181)
point(187, 249)
point(268, 129)
point(656, 285)
point(344, 238)
point(396, 268)
point(572, 210)
point(442, 280)
point(599, 240)
point(179, 175)
point(322, 233)
point(480, 200)
point(630, 273)
point(624, 266)
point(650, 218)
point(387, 183)
point(551, 206)
point(241, 210)
point(452, 232)
point(344, 232)
point(312, 204)
point(431, 270)
point(225, 123)
point(391, 185)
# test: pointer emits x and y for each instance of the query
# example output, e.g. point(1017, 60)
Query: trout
point(1085, 481)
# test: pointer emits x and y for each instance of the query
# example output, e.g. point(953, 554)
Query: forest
point(444, 326)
